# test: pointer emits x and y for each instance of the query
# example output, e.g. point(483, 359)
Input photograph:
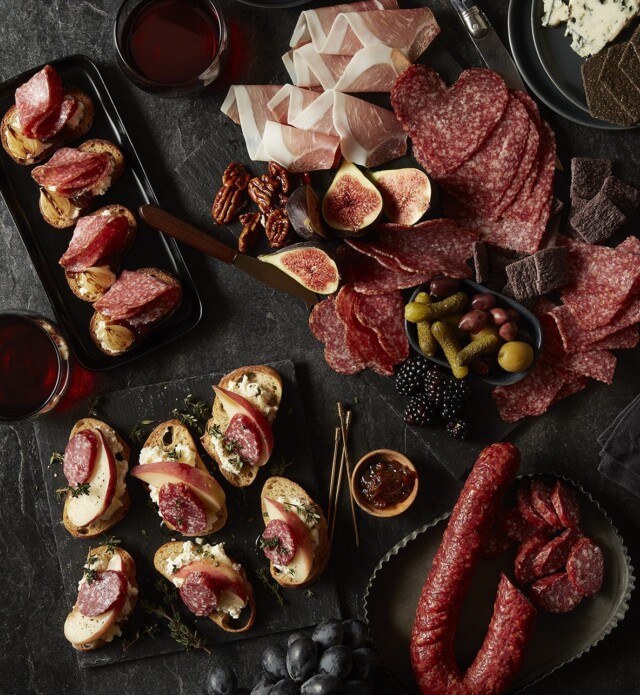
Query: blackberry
point(458, 429)
point(420, 411)
point(458, 391)
point(434, 387)
point(451, 411)
point(410, 376)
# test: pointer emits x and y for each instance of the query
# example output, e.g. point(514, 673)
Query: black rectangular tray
point(142, 535)
point(46, 244)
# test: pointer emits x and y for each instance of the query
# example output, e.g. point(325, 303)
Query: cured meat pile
point(487, 147)
point(554, 559)
point(357, 47)
point(363, 325)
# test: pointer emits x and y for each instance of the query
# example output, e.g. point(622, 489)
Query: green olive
point(415, 312)
point(515, 356)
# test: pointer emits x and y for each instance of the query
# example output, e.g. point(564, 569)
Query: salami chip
point(278, 542)
point(243, 436)
point(384, 314)
point(541, 502)
point(72, 171)
point(106, 591)
point(200, 593)
point(80, 457)
point(556, 593)
point(526, 556)
point(37, 100)
point(527, 511)
point(182, 508)
point(553, 556)
point(329, 328)
point(516, 528)
point(96, 238)
point(565, 502)
point(585, 567)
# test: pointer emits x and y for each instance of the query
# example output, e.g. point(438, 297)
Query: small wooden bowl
point(382, 455)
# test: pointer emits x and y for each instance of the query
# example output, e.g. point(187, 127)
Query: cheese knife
point(265, 273)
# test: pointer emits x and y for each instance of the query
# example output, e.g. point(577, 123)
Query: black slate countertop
point(243, 324)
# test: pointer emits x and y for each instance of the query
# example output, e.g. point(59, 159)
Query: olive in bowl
point(471, 329)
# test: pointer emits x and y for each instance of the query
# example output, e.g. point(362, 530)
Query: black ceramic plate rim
point(623, 605)
point(508, 378)
point(150, 343)
point(537, 79)
point(266, 5)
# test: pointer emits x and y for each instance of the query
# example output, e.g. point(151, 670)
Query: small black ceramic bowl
point(527, 321)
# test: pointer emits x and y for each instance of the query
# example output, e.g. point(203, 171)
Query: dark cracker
point(522, 279)
point(499, 259)
point(587, 176)
point(622, 195)
point(551, 269)
point(598, 219)
point(481, 261)
point(618, 84)
point(630, 64)
point(599, 99)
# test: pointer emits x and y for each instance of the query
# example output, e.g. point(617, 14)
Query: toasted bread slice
point(279, 487)
point(118, 339)
point(129, 569)
point(101, 525)
point(89, 285)
point(269, 379)
point(172, 550)
point(167, 436)
point(62, 212)
point(27, 151)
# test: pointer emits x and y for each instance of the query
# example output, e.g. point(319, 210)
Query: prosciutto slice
point(96, 238)
point(289, 102)
point(300, 150)
point(71, 172)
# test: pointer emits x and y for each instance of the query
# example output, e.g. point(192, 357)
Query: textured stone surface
point(245, 323)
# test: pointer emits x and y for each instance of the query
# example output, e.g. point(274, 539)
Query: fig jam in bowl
point(171, 47)
point(384, 483)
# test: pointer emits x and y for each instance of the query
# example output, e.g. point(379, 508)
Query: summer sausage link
point(432, 641)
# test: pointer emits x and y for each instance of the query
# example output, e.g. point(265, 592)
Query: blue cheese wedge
point(592, 24)
point(555, 12)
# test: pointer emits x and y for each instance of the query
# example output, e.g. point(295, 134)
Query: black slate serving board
point(140, 531)
point(45, 244)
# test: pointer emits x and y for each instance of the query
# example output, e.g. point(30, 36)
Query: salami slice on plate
point(105, 591)
point(556, 593)
point(541, 502)
point(329, 328)
point(37, 101)
point(526, 556)
point(585, 567)
point(553, 556)
point(565, 502)
point(73, 172)
point(95, 239)
point(80, 457)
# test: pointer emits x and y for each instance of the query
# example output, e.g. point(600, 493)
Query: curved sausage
point(432, 641)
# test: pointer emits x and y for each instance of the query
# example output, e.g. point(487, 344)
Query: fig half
point(406, 194)
point(352, 203)
point(309, 264)
point(304, 214)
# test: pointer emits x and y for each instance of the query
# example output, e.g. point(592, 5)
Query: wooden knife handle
point(180, 230)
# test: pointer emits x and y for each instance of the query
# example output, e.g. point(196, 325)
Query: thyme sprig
point(94, 403)
point(149, 631)
point(56, 457)
point(265, 578)
point(196, 414)
point(112, 544)
point(139, 432)
point(309, 513)
point(75, 490)
point(90, 574)
point(279, 468)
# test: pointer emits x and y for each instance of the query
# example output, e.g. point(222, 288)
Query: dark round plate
point(561, 63)
point(524, 53)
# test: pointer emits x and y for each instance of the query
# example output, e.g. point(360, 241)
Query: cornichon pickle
point(469, 352)
point(415, 312)
point(446, 337)
point(426, 341)
point(451, 305)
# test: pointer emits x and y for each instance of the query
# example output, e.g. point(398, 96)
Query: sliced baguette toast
point(121, 338)
point(129, 569)
point(261, 374)
point(278, 486)
point(94, 282)
point(221, 619)
point(99, 526)
point(167, 436)
point(21, 149)
point(63, 212)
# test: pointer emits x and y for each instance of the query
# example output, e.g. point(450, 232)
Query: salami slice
point(553, 556)
point(200, 593)
point(516, 528)
point(556, 593)
point(566, 504)
point(58, 119)
point(384, 314)
point(243, 436)
point(182, 508)
point(278, 543)
point(96, 238)
point(585, 567)
point(37, 100)
point(329, 328)
point(73, 172)
point(106, 591)
point(529, 514)
point(526, 556)
point(80, 457)
point(541, 502)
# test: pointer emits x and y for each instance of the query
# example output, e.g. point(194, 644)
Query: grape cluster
point(337, 659)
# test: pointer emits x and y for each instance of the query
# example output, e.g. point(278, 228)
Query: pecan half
point(281, 200)
point(250, 231)
point(281, 175)
point(227, 204)
point(236, 175)
point(261, 190)
point(277, 228)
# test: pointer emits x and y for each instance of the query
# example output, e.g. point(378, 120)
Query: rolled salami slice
point(106, 591)
point(541, 502)
point(73, 172)
point(556, 593)
point(553, 556)
point(585, 567)
point(278, 542)
point(182, 508)
point(243, 437)
point(566, 504)
point(96, 238)
point(80, 457)
point(37, 101)
point(200, 593)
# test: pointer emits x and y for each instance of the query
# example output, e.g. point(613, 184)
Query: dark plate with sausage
point(396, 584)
point(46, 245)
